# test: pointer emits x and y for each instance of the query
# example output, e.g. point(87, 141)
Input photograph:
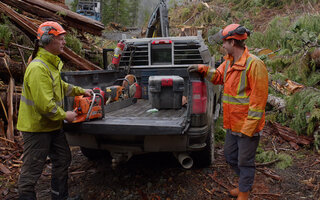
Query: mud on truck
point(132, 125)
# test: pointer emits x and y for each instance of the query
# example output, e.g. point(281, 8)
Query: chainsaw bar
point(116, 105)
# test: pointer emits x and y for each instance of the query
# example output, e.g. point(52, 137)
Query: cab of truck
point(187, 130)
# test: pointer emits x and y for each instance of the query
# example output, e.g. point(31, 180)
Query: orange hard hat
point(235, 31)
point(232, 31)
point(50, 28)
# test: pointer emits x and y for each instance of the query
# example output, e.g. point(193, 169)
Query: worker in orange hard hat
point(41, 114)
point(245, 80)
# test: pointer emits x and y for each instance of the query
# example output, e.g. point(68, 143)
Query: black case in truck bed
point(187, 132)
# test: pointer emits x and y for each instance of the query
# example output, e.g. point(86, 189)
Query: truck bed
point(135, 117)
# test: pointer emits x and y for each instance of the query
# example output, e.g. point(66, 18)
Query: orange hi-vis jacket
point(245, 92)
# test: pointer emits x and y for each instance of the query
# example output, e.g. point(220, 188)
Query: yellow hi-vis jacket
point(41, 103)
point(245, 92)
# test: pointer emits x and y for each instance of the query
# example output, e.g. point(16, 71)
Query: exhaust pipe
point(184, 159)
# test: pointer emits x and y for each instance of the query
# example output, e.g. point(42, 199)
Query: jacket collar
point(241, 63)
point(51, 59)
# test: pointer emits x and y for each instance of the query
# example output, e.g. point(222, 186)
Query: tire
point(205, 157)
point(95, 154)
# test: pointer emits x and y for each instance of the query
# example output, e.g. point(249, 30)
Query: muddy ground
point(158, 176)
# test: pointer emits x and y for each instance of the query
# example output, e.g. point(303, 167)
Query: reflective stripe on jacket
point(245, 92)
point(41, 104)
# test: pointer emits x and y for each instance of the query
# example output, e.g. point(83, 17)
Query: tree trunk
point(277, 102)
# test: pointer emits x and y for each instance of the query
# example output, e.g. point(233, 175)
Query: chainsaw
point(121, 94)
point(88, 108)
point(122, 89)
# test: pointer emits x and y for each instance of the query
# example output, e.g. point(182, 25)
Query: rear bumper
point(193, 140)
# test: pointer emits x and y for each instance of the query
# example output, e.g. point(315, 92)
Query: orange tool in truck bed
point(88, 108)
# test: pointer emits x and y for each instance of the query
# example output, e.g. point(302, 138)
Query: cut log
point(289, 135)
point(276, 102)
point(16, 70)
point(68, 54)
point(287, 88)
point(58, 13)
point(10, 129)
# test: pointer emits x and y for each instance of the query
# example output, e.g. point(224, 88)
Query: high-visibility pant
point(240, 152)
point(37, 146)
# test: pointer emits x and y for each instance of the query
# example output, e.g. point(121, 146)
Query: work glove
point(202, 69)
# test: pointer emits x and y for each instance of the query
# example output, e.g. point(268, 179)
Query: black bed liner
point(135, 120)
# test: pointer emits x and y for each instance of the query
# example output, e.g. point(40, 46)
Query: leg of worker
point(231, 151)
point(60, 156)
point(35, 150)
point(246, 161)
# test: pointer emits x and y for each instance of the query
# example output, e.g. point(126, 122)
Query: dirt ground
point(159, 176)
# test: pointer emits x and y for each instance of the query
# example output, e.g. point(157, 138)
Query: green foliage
point(185, 13)
point(317, 141)
point(278, 64)
point(273, 3)
point(309, 23)
point(273, 36)
point(133, 11)
point(284, 160)
point(200, 7)
point(73, 42)
point(61, 13)
point(74, 5)
point(5, 34)
point(115, 11)
point(305, 114)
point(219, 131)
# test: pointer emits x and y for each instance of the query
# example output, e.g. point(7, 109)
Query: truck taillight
point(199, 97)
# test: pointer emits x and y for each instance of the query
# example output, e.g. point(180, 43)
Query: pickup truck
point(187, 132)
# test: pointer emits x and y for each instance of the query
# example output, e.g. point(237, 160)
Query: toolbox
point(165, 92)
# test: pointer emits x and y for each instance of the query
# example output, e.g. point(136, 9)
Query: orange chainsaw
point(88, 108)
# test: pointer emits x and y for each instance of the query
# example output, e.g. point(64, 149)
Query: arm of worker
point(258, 82)
point(41, 88)
point(212, 74)
point(71, 90)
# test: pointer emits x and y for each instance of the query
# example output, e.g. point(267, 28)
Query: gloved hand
point(193, 68)
point(198, 68)
point(88, 92)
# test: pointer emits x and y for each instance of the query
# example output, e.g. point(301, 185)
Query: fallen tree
point(58, 13)
point(31, 28)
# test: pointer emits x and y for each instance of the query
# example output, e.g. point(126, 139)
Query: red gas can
point(138, 91)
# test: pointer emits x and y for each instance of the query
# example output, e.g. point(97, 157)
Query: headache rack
point(162, 51)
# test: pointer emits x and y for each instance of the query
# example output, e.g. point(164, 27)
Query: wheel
point(205, 157)
point(95, 154)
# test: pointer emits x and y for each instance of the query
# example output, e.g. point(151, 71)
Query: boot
point(243, 196)
point(234, 192)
